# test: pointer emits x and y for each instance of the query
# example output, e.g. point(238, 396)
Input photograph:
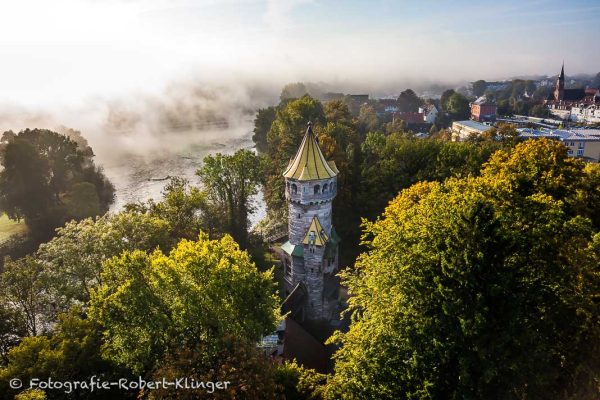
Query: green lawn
point(9, 227)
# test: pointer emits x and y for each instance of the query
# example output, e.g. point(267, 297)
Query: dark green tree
point(46, 181)
point(409, 101)
point(445, 97)
point(458, 106)
point(231, 181)
point(479, 87)
point(596, 81)
point(262, 125)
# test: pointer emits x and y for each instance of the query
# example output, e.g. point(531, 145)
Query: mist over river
point(140, 177)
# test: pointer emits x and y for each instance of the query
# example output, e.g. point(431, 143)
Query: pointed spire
point(309, 162)
point(562, 71)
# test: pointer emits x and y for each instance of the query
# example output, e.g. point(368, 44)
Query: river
point(138, 178)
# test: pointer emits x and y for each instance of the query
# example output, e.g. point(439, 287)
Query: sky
point(68, 51)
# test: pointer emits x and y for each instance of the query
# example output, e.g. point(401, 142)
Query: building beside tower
point(310, 256)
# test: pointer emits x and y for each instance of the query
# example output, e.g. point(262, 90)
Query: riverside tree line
point(472, 269)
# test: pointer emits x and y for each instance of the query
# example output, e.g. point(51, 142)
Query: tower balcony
point(311, 192)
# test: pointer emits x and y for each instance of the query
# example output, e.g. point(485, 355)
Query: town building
point(462, 130)
point(561, 101)
point(483, 110)
point(388, 105)
point(587, 114)
point(430, 113)
point(310, 256)
point(580, 143)
point(410, 117)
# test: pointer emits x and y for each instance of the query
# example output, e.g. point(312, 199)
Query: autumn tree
point(71, 353)
point(480, 287)
point(152, 305)
point(72, 260)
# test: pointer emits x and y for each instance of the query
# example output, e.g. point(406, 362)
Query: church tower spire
point(310, 256)
point(559, 89)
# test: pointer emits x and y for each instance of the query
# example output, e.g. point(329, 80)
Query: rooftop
point(591, 135)
point(309, 162)
point(315, 234)
point(474, 125)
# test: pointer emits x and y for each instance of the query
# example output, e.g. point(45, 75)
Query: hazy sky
point(62, 51)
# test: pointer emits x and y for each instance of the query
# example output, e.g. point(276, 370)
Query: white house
point(429, 112)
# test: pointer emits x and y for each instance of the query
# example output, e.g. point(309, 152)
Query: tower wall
point(313, 258)
point(307, 199)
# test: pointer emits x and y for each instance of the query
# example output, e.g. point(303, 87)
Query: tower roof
point(309, 162)
point(562, 72)
point(315, 234)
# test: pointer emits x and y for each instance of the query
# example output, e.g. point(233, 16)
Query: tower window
point(324, 188)
point(294, 188)
point(317, 189)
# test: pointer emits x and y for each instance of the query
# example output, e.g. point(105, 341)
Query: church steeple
point(559, 89)
point(562, 73)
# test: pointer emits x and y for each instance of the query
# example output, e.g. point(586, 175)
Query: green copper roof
point(309, 163)
point(292, 250)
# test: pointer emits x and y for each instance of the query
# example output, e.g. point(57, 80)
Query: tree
point(458, 106)
point(479, 87)
point(367, 119)
point(23, 288)
point(231, 181)
point(12, 329)
point(479, 287)
point(293, 91)
point(187, 209)
point(153, 305)
point(596, 81)
point(503, 131)
point(300, 383)
point(82, 201)
point(48, 179)
point(249, 373)
point(539, 111)
point(409, 101)
point(262, 125)
point(445, 97)
point(337, 111)
point(24, 187)
point(72, 353)
point(72, 260)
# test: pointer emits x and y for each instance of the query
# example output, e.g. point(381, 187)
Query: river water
point(140, 177)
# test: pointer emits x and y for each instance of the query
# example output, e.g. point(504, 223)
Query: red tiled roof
point(410, 117)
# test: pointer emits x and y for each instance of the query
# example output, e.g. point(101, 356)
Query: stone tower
point(310, 256)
